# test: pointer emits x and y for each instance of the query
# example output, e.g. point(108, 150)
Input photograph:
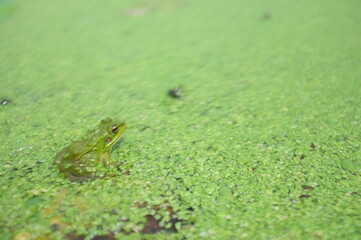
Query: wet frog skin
point(90, 157)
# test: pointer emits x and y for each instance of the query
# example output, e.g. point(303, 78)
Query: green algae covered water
point(243, 118)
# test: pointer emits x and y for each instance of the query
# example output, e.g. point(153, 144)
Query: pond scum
point(242, 117)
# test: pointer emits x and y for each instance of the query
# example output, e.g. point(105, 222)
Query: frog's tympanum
point(90, 157)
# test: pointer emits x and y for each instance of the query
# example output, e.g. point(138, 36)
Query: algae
point(263, 144)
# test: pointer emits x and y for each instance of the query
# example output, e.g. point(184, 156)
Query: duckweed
point(265, 145)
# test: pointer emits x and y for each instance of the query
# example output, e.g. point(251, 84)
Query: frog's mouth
point(114, 138)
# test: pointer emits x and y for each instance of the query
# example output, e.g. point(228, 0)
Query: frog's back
point(76, 149)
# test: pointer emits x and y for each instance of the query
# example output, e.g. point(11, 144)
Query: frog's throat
point(108, 146)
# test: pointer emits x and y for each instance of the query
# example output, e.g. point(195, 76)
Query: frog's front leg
point(106, 159)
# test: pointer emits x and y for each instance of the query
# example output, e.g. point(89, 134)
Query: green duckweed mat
point(263, 143)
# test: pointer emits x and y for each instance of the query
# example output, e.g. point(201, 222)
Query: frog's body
point(88, 158)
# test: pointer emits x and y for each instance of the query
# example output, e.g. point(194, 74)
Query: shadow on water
point(117, 145)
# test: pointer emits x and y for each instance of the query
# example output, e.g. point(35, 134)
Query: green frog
point(90, 157)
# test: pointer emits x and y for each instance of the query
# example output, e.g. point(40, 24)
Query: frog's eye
point(114, 129)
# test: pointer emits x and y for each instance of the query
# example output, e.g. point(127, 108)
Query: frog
point(90, 157)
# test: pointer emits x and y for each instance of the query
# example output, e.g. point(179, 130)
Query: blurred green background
point(263, 144)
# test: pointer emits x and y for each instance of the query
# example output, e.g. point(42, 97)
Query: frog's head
point(111, 132)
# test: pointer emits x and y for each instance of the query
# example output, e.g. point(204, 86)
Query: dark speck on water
point(307, 187)
point(175, 92)
point(54, 227)
point(312, 146)
point(266, 16)
point(5, 101)
point(304, 196)
point(110, 236)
